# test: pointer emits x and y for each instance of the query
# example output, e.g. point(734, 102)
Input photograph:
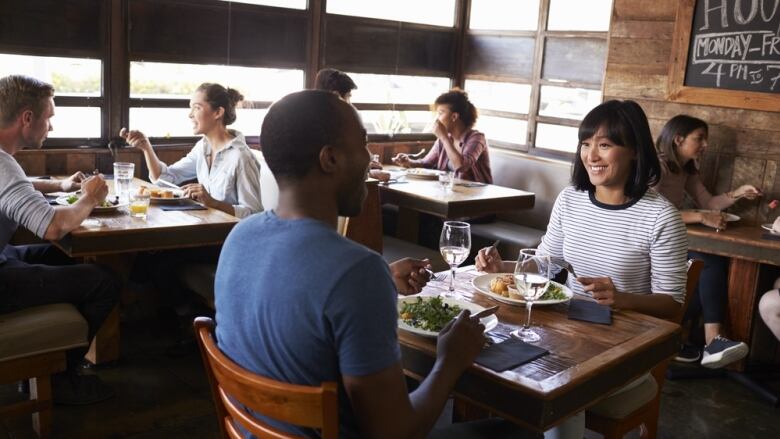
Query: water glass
point(532, 275)
point(455, 246)
point(446, 180)
point(123, 179)
point(139, 204)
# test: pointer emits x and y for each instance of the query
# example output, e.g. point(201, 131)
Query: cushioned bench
point(522, 228)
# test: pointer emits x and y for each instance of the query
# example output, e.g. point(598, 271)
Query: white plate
point(63, 201)
point(482, 284)
point(423, 173)
point(729, 217)
point(768, 228)
point(160, 200)
point(490, 321)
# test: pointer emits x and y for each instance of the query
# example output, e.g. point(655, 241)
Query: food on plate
point(155, 192)
point(500, 284)
point(553, 292)
point(504, 285)
point(72, 198)
point(429, 314)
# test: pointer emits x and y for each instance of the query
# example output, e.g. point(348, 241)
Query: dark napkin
point(174, 207)
point(509, 354)
point(51, 199)
point(769, 235)
point(588, 311)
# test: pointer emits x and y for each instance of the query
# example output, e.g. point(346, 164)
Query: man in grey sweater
point(40, 274)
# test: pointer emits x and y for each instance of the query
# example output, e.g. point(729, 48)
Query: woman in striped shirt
point(627, 243)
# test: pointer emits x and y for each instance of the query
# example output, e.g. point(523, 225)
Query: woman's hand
point(713, 219)
point(748, 191)
point(601, 288)
point(197, 192)
point(402, 160)
point(439, 130)
point(136, 139)
point(488, 260)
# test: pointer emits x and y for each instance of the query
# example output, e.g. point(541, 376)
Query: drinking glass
point(139, 204)
point(532, 274)
point(446, 180)
point(455, 245)
point(123, 179)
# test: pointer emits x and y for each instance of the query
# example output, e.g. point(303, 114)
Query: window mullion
point(533, 110)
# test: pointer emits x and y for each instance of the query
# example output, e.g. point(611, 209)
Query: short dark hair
point(625, 124)
point(295, 130)
point(219, 96)
point(19, 93)
point(680, 125)
point(458, 101)
point(334, 80)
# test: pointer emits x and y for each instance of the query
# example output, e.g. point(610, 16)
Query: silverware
point(560, 262)
point(432, 275)
point(485, 312)
point(416, 155)
point(168, 184)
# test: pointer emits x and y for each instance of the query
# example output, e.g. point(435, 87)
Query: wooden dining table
point(467, 199)
point(113, 238)
point(586, 362)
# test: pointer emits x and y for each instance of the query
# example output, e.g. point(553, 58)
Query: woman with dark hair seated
point(336, 82)
point(458, 147)
point(680, 146)
point(627, 243)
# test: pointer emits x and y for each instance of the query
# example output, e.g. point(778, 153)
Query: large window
point(436, 12)
point(535, 69)
point(160, 93)
point(78, 90)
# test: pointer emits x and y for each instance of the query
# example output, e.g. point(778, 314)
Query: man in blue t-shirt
point(299, 303)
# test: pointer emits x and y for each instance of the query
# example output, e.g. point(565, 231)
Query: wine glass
point(455, 245)
point(532, 274)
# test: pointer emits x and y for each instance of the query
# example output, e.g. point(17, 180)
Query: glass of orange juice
point(139, 204)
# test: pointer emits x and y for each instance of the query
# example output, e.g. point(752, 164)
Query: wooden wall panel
point(744, 145)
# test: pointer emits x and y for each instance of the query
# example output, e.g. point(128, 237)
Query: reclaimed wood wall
point(744, 145)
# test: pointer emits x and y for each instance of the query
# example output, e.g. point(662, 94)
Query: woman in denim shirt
point(228, 175)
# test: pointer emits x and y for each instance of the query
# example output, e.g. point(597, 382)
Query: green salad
point(72, 198)
point(553, 292)
point(429, 315)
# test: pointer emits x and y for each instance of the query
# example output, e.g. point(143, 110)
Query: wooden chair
point(645, 417)
point(33, 343)
point(236, 391)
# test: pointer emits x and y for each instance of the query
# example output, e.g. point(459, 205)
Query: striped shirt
point(641, 245)
point(476, 160)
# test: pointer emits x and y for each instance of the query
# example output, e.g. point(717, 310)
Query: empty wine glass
point(455, 245)
point(532, 274)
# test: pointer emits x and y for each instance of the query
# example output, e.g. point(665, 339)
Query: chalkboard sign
point(727, 53)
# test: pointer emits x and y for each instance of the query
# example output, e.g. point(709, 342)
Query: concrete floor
point(162, 397)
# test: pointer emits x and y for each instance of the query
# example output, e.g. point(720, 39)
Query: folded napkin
point(472, 184)
point(52, 199)
point(509, 354)
point(178, 207)
point(769, 235)
point(588, 311)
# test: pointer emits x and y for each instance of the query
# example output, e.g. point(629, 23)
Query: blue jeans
point(711, 295)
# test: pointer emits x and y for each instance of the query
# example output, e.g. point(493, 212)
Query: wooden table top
point(741, 241)
point(463, 201)
point(118, 232)
point(586, 362)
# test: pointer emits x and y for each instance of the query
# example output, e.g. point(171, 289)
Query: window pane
point(492, 14)
point(69, 76)
point(591, 15)
point(438, 12)
point(397, 122)
point(178, 81)
point(70, 122)
point(501, 96)
point(293, 4)
point(557, 137)
point(500, 55)
point(503, 129)
point(575, 59)
point(175, 122)
point(569, 103)
point(396, 89)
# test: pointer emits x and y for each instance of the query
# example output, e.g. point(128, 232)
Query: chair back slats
point(237, 390)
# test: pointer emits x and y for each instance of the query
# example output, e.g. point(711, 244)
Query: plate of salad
point(110, 204)
point(428, 315)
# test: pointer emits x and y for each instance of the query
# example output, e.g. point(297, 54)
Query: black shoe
point(688, 354)
point(74, 389)
point(722, 351)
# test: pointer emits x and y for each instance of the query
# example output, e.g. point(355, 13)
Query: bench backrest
point(544, 177)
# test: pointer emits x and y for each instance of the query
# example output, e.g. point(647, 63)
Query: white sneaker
point(722, 351)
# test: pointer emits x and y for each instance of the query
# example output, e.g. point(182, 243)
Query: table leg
point(743, 283)
point(408, 224)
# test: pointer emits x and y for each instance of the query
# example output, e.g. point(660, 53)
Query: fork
point(433, 276)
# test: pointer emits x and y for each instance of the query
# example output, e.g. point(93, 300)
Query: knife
point(485, 312)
